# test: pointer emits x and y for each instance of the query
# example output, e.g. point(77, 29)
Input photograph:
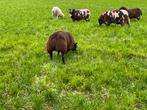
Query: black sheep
point(61, 41)
point(133, 13)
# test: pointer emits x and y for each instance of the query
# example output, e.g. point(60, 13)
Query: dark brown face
point(101, 20)
point(71, 12)
point(106, 17)
point(74, 46)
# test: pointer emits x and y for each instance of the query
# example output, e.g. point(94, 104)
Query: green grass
point(107, 72)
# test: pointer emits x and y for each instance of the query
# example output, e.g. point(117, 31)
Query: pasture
point(107, 72)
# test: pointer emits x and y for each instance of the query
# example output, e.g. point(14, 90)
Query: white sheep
point(56, 12)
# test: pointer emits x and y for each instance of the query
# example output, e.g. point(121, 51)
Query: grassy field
point(107, 72)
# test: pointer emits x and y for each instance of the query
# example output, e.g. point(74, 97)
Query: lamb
point(56, 12)
point(79, 14)
point(61, 41)
point(133, 13)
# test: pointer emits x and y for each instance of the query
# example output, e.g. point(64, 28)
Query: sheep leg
point(63, 58)
point(138, 18)
point(73, 20)
point(122, 24)
point(51, 55)
point(87, 19)
point(58, 53)
point(128, 24)
point(100, 24)
point(107, 24)
point(56, 17)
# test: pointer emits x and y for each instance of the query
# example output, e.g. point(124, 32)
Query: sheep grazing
point(114, 16)
point(133, 13)
point(56, 12)
point(79, 14)
point(61, 41)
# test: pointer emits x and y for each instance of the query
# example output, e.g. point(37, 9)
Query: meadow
point(107, 72)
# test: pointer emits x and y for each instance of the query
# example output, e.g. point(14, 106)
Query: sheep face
point(74, 47)
point(101, 20)
point(104, 19)
point(72, 13)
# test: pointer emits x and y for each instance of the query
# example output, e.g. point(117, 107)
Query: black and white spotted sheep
point(79, 14)
point(114, 16)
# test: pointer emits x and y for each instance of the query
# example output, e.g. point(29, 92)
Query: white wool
point(124, 12)
point(115, 14)
point(108, 13)
point(104, 13)
point(56, 11)
point(86, 11)
point(123, 19)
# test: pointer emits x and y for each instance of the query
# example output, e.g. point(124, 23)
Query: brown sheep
point(133, 13)
point(61, 41)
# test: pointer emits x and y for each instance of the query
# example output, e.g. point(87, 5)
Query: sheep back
point(60, 41)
